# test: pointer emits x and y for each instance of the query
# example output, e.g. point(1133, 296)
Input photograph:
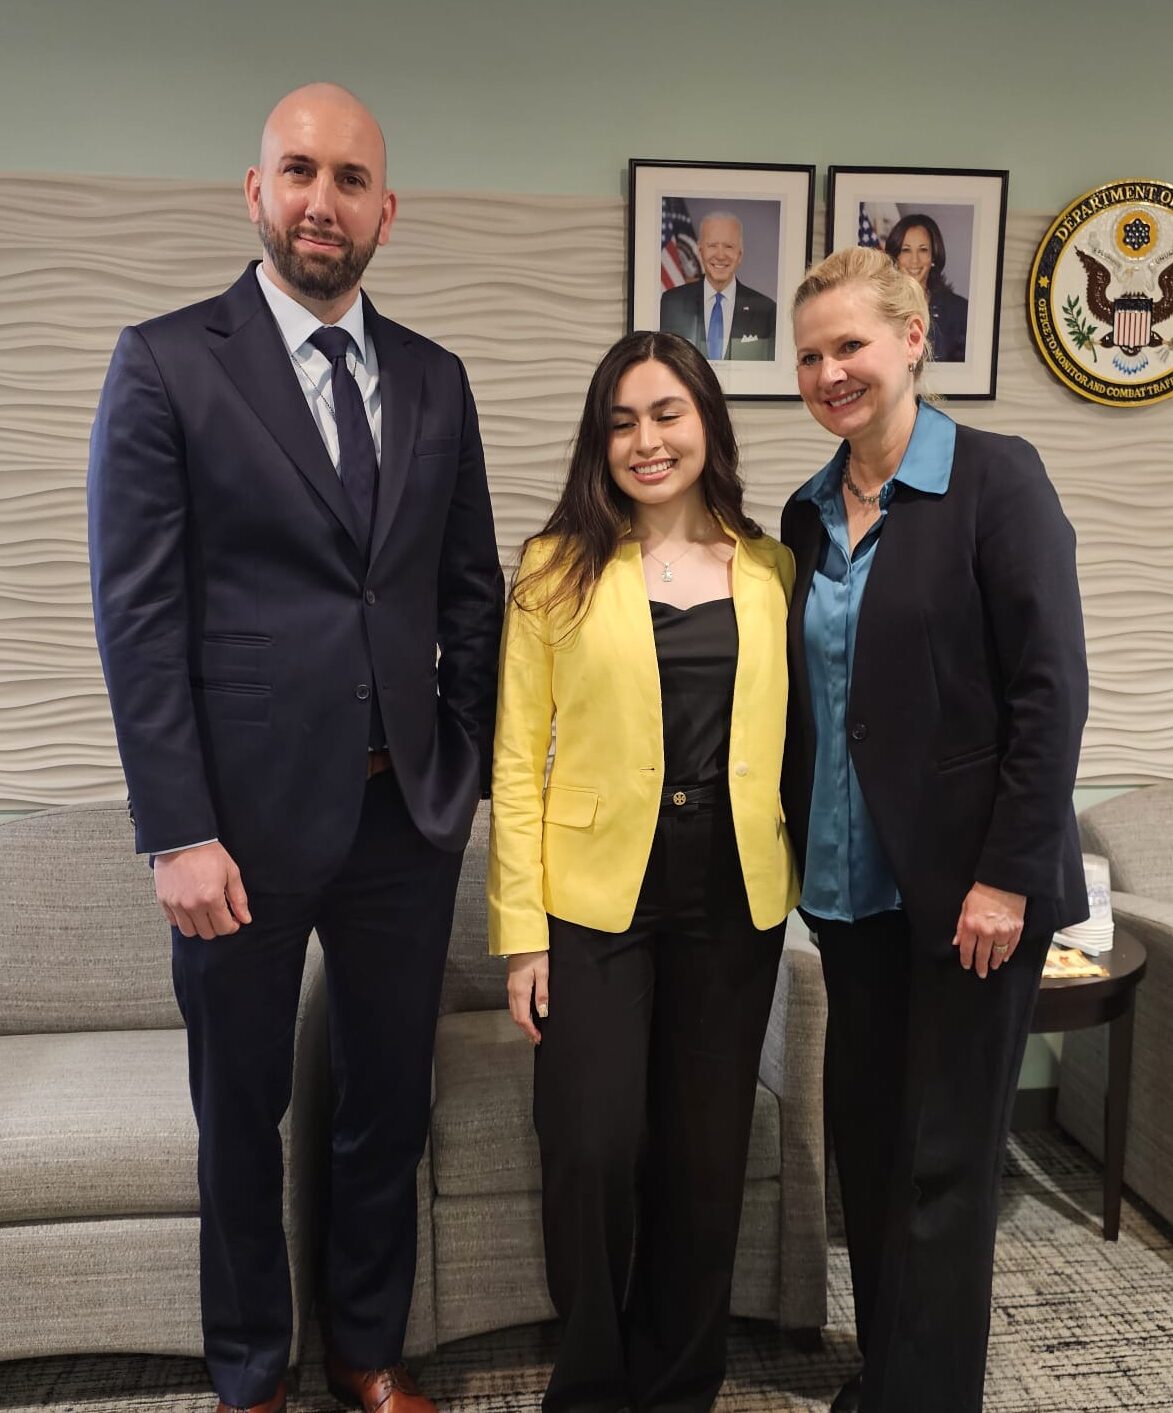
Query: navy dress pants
point(922, 1066)
point(643, 1100)
point(384, 923)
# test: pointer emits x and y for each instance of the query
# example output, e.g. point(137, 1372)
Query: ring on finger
point(1001, 947)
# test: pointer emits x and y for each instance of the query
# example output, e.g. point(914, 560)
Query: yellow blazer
point(577, 845)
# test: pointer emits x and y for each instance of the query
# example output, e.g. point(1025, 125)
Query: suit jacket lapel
point(400, 380)
point(253, 354)
point(699, 337)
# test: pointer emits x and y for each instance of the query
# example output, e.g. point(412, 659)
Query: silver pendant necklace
point(666, 573)
point(855, 490)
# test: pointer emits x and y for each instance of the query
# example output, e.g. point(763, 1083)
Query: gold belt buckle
point(679, 798)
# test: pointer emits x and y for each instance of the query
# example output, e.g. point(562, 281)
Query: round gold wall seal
point(1101, 294)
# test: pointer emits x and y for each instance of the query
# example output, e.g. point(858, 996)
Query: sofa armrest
point(1150, 918)
point(304, 1139)
point(791, 1068)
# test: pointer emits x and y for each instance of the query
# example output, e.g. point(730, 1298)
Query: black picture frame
point(967, 207)
point(769, 209)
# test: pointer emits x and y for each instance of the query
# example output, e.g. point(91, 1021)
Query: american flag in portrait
point(867, 232)
point(679, 257)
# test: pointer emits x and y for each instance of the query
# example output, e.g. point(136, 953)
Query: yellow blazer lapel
point(629, 616)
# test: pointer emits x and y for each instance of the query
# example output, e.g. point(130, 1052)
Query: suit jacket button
point(741, 768)
point(859, 732)
point(362, 692)
point(369, 596)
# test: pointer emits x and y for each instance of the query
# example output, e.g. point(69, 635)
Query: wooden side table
point(1071, 1003)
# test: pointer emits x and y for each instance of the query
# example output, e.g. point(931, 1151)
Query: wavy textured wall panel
point(529, 291)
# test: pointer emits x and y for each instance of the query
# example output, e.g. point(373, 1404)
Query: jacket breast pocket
point(570, 806)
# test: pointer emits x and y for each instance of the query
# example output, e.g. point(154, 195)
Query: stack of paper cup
point(1095, 935)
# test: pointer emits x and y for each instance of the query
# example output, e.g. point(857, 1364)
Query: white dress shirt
point(312, 367)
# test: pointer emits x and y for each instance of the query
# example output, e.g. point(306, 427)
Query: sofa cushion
point(95, 1125)
point(482, 1127)
point(473, 980)
point(117, 1285)
point(483, 1140)
point(83, 945)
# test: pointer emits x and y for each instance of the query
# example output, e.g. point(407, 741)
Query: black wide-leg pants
point(384, 923)
point(922, 1065)
point(643, 1100)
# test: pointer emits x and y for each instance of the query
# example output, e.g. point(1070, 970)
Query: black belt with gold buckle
point(694, 795)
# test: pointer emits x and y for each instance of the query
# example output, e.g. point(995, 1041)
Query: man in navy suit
point(298, 600)
point(721, 314)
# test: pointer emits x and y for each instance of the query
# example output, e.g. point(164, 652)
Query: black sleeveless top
point(696, 649)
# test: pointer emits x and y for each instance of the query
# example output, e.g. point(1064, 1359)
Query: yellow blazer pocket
point(570, 805)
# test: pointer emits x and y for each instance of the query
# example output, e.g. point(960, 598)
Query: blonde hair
point(897, 296)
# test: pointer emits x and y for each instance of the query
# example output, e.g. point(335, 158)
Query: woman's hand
point(528, 985)
point(988, 928)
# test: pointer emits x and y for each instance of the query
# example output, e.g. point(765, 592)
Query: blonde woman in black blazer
point(939, 690)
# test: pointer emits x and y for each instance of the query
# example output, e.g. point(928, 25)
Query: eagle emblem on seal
point(1134, 268)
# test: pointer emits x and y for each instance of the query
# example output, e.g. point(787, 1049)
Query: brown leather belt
point(377, 763)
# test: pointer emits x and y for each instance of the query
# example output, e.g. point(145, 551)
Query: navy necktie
point(358, 466)
point(717, 329)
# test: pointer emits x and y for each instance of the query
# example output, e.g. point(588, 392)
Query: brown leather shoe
point(276, 1404)
point(377, 1390)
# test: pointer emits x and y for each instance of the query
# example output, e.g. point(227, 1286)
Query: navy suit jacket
point(751, 335)
point(242, 630)
point(968, 693)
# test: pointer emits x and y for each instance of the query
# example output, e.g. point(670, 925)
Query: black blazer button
point(859, 732)
point(362, 692)
point(369, 596)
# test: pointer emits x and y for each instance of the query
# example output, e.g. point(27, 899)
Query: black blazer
point(751, 335)
point(242, 629)
point(969, 690)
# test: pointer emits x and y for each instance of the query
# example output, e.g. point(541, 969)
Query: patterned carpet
point(1079, 1325)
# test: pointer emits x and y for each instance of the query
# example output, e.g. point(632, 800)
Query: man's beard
point(315, 276)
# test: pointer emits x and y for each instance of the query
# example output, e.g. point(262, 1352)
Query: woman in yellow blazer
point(640, 882)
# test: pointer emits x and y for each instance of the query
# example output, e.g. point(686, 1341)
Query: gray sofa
point(98, 1200)
point(1135, 833)
point(481, 1262)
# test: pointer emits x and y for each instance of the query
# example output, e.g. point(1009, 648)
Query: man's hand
point(200, 891)
point(988, 928)
point(528, 985)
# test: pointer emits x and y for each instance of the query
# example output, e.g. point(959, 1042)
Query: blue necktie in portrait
point(717, 329)
point(358, 465)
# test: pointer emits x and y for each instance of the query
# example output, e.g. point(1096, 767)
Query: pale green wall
point(550, 96)
point(533, 96)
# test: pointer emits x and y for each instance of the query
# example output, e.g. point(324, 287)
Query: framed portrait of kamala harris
point(714, 252)
point(947, 229)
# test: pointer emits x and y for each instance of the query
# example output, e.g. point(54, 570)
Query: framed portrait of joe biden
point(714, 251)
point(947, 229)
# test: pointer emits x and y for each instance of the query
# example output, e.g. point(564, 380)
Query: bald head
point(318, 105)
point(318, 196)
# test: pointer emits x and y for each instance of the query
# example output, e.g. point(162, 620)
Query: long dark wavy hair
point(895, 240)
point(593, 514)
